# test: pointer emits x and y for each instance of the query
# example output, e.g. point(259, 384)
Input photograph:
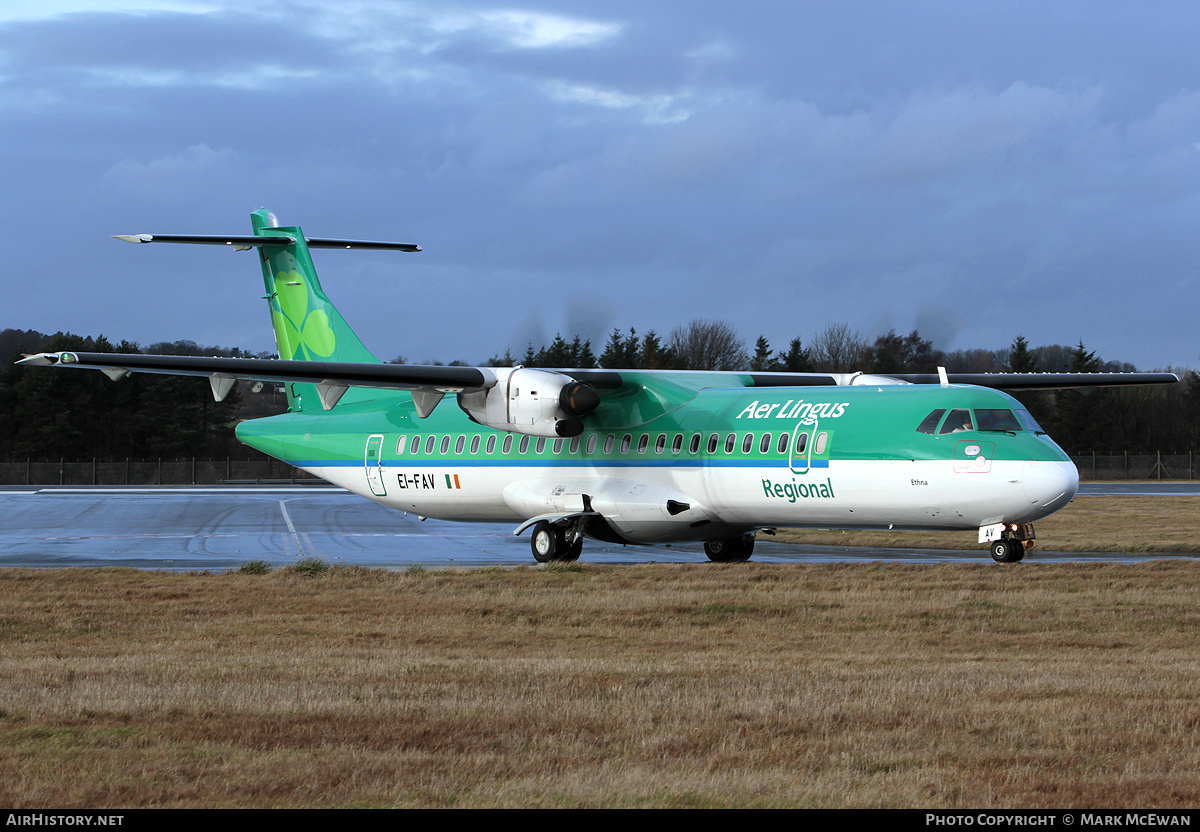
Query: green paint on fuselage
point(863, 423)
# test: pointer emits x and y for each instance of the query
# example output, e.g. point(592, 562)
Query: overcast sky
point(976, 170)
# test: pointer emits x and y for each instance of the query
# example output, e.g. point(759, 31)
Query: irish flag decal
point(452, 481)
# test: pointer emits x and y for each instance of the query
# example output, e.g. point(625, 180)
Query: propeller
point(588, 315)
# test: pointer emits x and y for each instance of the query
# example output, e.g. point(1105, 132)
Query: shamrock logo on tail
point(305, 335)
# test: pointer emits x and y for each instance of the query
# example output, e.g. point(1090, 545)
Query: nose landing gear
point(1007, 542)
point(1007, 551)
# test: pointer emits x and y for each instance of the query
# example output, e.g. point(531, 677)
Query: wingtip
point(134, 238)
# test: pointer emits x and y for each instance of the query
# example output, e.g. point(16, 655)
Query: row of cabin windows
point(418, 445)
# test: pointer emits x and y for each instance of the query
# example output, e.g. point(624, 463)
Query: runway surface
point(184, 528)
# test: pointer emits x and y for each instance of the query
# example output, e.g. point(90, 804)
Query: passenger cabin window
point(429, 444)
point(475, 444)
point(541, 445)
point(523, 446)
point(643, 443)
point(415, 447)
point(491, 445)
point(400, 443)
point(677, 444)
point(765, 445)
point(957, 422)
point(748, 443)
point(783, 443)
point(660, 444)
point(459, 443)
point(730, 442)
point(929, 423)
point(506, 446)
point(996, 419)
point(445, 446)
point(609, 441)
point(694, 445)
point(713, 442)
point(591, 443)
point(626, 442)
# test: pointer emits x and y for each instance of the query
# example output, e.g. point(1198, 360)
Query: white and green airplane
point(632, 456)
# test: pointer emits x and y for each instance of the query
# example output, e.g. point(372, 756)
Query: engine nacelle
point(533, 402)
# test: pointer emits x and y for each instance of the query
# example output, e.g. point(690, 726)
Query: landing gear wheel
point(549, 544)
point(573, 550)
point(731, 550)
point(1007, 551)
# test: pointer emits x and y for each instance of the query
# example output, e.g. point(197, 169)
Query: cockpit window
point(1029, 422)
point(957, 422)
point(998, 419)
point(929, 423)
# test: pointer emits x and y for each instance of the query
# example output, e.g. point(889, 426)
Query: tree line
point(1102, 420)
point(80, 415)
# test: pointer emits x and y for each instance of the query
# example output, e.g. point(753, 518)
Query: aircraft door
point(801, 448)
point(373, 463)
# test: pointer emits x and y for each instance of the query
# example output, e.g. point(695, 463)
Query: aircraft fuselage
point(726, 462)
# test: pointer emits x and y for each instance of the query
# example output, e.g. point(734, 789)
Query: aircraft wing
point(390, 376)
point(1041, 381)
point(331, 378)
point(457, 379)
point(429, 384)
point(602, 379)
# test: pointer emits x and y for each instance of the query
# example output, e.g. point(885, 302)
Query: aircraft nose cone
point(1050, 485)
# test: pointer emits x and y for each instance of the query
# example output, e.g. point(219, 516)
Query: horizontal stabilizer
point(242, 242)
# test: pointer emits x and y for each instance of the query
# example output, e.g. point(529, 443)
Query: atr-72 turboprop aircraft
point(632, 456)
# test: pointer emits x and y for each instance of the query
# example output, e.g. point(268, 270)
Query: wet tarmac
point(218, 528)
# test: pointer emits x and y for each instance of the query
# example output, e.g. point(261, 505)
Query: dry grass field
point(880, 685)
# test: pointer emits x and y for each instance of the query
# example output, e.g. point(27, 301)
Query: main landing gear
point(731, 550)
point(555, 544)
point(552, 543)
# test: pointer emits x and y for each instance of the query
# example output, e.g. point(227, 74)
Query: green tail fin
point(308, 326)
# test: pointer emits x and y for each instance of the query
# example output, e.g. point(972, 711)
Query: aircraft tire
point(572, 551)
point(731, 550)
point(1007, 551)
point(547, 542)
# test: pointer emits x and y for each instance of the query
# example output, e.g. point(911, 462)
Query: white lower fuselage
point(709, 495)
